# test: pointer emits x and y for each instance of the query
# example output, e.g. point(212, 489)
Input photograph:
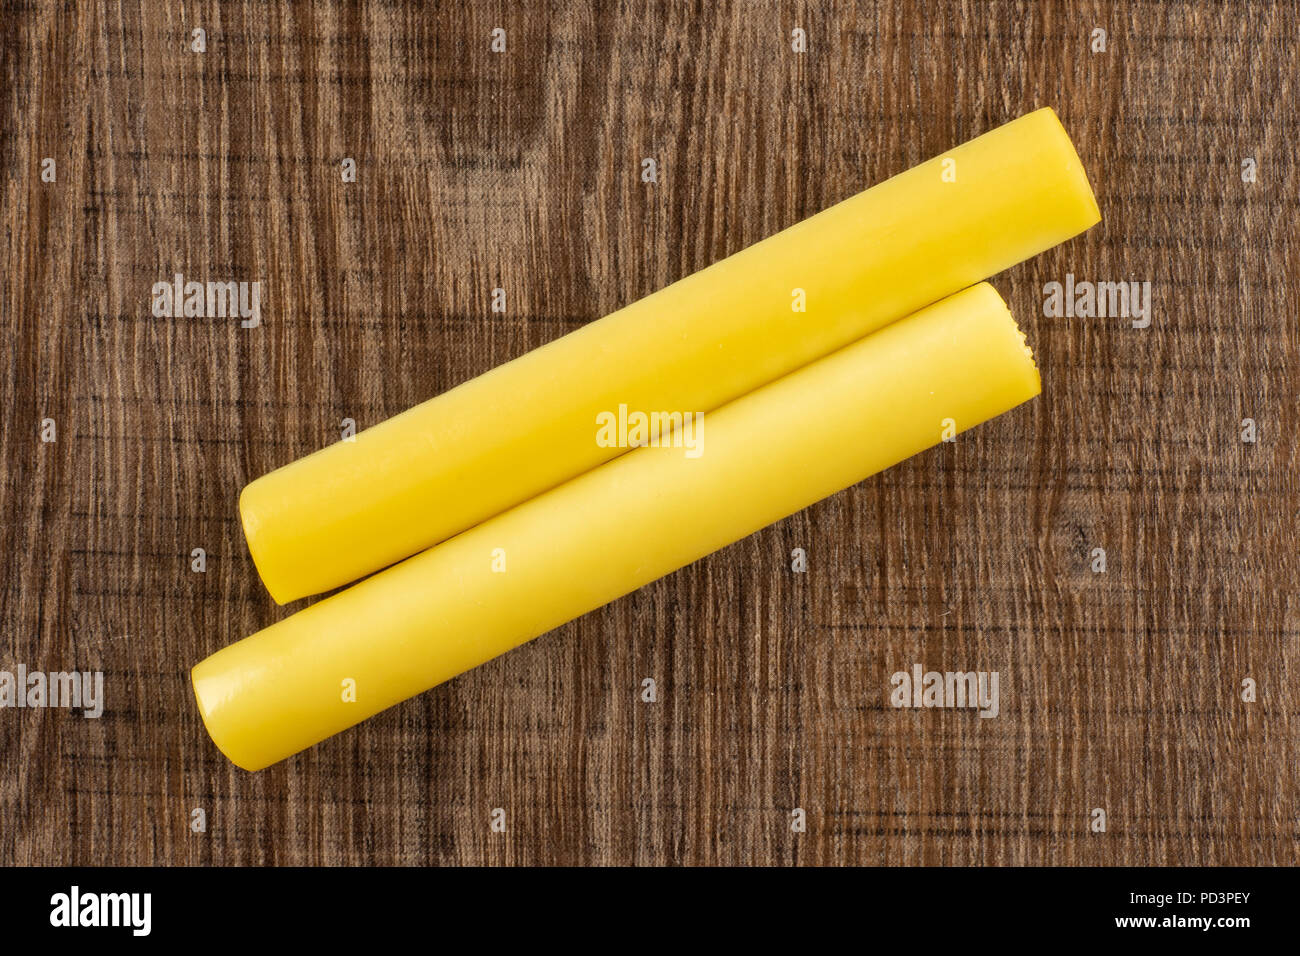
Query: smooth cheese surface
point(526, 426)
point(615, 528)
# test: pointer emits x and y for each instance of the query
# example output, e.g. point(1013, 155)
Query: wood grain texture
point(1119, 690)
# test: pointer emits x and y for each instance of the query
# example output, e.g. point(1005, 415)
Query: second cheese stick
point(530, 424)
point(614, 529)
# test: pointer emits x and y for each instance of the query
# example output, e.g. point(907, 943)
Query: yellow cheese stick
point(614, 529)
point(529, 425)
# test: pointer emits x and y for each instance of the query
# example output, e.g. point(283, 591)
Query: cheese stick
point(526, 426)
point(614, 529)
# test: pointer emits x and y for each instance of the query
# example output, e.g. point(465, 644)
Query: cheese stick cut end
point(1075, 202)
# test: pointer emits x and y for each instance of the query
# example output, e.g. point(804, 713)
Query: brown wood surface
point(1120, 690)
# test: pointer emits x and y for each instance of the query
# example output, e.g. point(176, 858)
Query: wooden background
point(1119, 690)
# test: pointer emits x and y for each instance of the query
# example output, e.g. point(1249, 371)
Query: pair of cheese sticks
point(520, 520)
